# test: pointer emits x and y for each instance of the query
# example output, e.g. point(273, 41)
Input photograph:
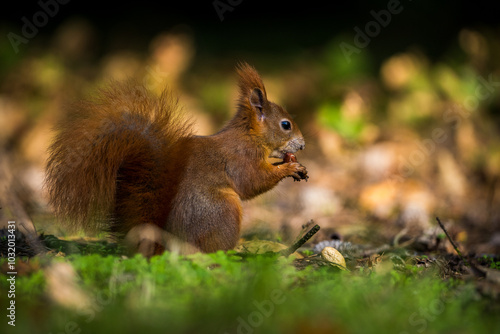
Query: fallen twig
point(305, 228)
point(453, 243)
point(476, 271)
point(296, 245)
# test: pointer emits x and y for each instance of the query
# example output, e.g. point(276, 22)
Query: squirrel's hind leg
point(210, 223)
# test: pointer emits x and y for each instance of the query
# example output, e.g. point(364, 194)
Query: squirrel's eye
point(285, 125)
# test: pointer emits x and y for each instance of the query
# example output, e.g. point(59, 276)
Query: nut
point(333, 256)
point(289, 157)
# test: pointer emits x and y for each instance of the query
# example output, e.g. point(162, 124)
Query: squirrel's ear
point(257, 101)
point(252, 89)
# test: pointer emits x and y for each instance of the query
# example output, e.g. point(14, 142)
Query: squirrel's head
point(268, 122)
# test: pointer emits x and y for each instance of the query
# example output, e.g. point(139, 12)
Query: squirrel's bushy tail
point(124, 125)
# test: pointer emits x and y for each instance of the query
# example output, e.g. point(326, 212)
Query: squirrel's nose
point(302, 144)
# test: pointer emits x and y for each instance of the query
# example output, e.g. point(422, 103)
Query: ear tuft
point(249, 79)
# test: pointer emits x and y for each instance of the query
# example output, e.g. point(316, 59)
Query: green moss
point(219, 293)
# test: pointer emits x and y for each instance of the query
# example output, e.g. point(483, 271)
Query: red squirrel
point(125, 163)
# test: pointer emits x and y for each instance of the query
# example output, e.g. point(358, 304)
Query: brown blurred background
point(399, 102)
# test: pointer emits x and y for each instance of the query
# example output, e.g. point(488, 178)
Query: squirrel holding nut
point(126, 164)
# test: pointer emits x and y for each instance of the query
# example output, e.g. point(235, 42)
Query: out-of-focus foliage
point(219, 293)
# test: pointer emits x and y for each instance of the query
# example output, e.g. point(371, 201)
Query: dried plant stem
point(301, 241)
point(453, 243)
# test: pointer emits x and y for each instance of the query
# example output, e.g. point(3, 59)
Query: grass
point(491, 262)
point(225, 293)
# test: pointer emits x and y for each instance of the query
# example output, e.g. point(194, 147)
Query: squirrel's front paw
point(298, 172)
